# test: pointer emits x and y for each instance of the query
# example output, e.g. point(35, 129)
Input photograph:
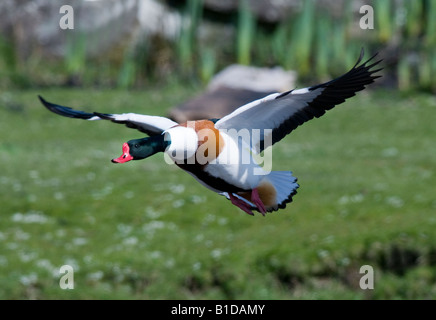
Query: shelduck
point(223, 154)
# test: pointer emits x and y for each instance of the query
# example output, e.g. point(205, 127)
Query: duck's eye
point(136, 145)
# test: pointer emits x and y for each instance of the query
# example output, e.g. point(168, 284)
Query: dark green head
point(138, 149)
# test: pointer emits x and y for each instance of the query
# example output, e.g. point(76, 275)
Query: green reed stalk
point(128, 71)
point(245, 33)
point(425, 71)
point(404, 74)
point(208, 65)
point(75, 55)
point(414, 17)
point(384, 20)
point(322, 53)
point(431, 23)
point(188, 34)
point(280, 45)
point(302, 36)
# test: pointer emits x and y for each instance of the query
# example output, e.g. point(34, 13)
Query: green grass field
point(147, 230)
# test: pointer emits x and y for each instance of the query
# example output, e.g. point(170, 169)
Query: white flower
point(131, 241)
point(177, 188)
point(58, 196)
point(216, 253)
point(21, 235)
point(196, 266)
point(95, 276)
point(29, 279)
point(178, 203)
point(79, 241)
point(395, 201)
point(3, 261)
point(30, 217)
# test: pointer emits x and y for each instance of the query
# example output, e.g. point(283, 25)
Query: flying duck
point(223, 154)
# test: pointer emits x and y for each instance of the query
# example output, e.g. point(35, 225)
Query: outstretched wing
point(283, 112)
point(151, 125)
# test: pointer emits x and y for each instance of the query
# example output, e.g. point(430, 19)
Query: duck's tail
point(285, 185)
point(275, 190)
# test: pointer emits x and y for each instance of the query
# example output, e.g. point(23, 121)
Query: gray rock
point(214, 103)
point(33, 25)
point(254, 78)
point(156, 18)
point(231, 88)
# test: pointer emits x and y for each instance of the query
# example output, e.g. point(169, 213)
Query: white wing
point(280, 113)
point(150, 125)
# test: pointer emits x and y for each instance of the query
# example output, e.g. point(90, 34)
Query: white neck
point(184, 143)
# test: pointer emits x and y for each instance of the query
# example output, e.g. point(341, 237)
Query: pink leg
point(257, 201)
point(240, 204)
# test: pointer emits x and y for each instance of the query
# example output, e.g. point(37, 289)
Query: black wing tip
point(360, 71)
point(65, 111)
point(44, 102)
point(50, 106)
point(364, 65)
point(362, 54)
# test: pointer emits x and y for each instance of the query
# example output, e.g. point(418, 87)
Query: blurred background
point(135, 43)
point(146, 230)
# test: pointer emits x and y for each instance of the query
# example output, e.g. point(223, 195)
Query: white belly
point(236, 165)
